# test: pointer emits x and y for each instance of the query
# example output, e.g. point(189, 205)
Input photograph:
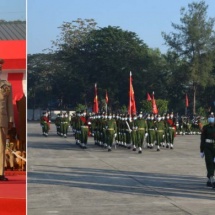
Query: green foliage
point(80, 108)
point(162, 106)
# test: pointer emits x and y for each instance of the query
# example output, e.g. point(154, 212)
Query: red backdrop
point(14, 54)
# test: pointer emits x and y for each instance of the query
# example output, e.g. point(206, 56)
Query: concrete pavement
point(67, 180)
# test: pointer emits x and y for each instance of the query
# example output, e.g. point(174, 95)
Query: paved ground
point(67, 180)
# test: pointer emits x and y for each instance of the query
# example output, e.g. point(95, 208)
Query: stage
point(13, 193)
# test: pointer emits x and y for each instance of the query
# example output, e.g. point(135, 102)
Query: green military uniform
point(141, 127)
point(151, 132)
point(170, 131)
point(207, 149)
point(134, 134)
point(110, 128)
point(160, 132)
point(44, 122)
point(65, 123)
point(58, 123)
point(84, 131)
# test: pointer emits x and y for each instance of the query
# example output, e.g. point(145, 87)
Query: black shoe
point(140, 152)
point(12, 168)
point(109, 150)
point(134, 149)
point(213, 185)
point(2, 178)
point(208, 184)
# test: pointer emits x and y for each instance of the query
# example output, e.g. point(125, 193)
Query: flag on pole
point(95, 102)
point(154, 106)
point(148, 97)
point(132, 104)
point(186, 101)
point(106, 97)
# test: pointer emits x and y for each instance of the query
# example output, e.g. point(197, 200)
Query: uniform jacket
point(6, 104)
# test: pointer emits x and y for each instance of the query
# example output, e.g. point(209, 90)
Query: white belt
point(209, 141)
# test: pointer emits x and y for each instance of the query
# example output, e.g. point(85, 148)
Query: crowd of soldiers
point(122, 129)
point(136, 132)
point(125, 130)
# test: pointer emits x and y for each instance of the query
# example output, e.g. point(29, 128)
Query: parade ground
point(64, 179)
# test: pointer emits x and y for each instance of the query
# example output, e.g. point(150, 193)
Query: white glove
point(202, 154)
point(115, 135)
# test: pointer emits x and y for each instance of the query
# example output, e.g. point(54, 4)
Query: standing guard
point(207, 149)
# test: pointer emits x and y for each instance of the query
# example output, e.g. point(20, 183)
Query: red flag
point(132, 104)
point(95, 102)
point(186, 101)
point(106, 97)
point(154, 106)
point(148, 97)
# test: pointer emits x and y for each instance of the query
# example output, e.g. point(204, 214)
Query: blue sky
point(12, 10)
point(147, 18)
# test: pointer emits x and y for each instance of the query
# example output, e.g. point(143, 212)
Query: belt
point(171, 128)
point(151, 129)
point(84, 126)
point(209, 141)
point(141, 129)
point(160, 130)
point(110, 129)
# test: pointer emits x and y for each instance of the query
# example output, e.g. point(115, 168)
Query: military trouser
point(209, 158)
point(160, 137)
point(171, 135)
point(109, 137)
point(151, 136)
point(84, 134)
point(140, 137)
point(45, 127)
point(134, 137)
point(128, 137)
point(65, 127)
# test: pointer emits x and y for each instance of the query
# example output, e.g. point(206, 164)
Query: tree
point(194, 44)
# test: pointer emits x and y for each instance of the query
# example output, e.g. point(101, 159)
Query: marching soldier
point(134, 134)
point(84, 130)
point(141, 126)
point(160, 132)
point(44, 122)
point(151, 131)
point(58, 123)
point(170, 131)
point(110, 127)
point(207, 149)
point(65, 124)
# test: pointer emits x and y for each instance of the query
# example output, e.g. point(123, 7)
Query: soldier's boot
point(109, 149)
point(140, 150)
point(148, 145)
point(209, 184)
point(134, 148)
point(151, 146)
point(158, 148)
point(212, 182)
point(171, 146)
point(167, 145)
point(163, 144)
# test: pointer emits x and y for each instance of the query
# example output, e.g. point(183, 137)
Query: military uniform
point(160, 132)
point(207, 149)
point(65, 125)
point(141, 126)
point(45, 124)
point(110, 128)
point(6, 119)
point(151, 131)
point(170, 131)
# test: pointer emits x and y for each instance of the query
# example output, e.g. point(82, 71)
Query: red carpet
point(13, 194)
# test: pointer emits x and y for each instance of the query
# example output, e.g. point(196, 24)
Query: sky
point(11, 10)
point(147, 18)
